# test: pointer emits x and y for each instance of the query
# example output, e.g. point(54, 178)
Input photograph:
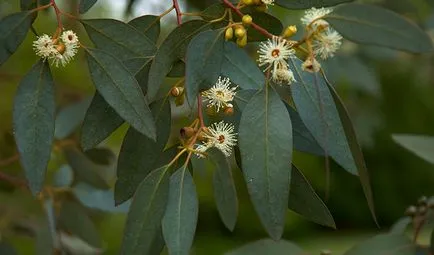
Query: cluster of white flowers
point(221, 136)
point(268, 2)
point(221, 94)
point(59, 50)
point(275, 54)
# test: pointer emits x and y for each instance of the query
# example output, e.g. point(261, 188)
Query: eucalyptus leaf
point(69, 118)
point(420, 145)
point(149, 25)
point(391, 244)
point(306, 4)
point(85, 5)
point(63, 177)
point(269, 247)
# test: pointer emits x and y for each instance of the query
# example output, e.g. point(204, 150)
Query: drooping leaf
point(171, 50)
point(306, 4)
point(422, 146)
point(269, 247)
point(304, 201)
point(69, 118)
point(225, 194)
point(121, 91)
point(401, 225)
point(179, 221)
point(99, 122)
point(33, 120)
point(85, 5)
point(140, 155)
point(118, 38)
point(13, 31)
point(203, 62)
point(391, 244)
point(265, 140)
point(149, 25)
point(143, 226)
point(369, 24)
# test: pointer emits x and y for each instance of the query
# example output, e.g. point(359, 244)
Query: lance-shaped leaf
point(120, 90)
point(269, 247)
point(306, 4)
point(225, 194)
point(204, 62)
point(13, 31)
point(370, 24)
point(140, 155)
point(265, 140)
point(422, 146)
point(69, 118)
point(149, 25)
point(171, 50)
point(179, 221)
point(143, 226)
point(118, 38)
point(85, 5)
point(33, 121)
point(391, 244)
point(304, 200)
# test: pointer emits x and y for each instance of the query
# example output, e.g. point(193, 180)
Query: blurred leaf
point(204, 60)
point(63, 177)
point(98, 199)
point(121, 91)
point(143, 225)
point(140, 155)
point(304, 200)
point(44, 240)
point(85, 5)
point(76, 246)
point(422, 146)
point(51, 219)
point(225, 194)
point(368, 24)
point(149, 25)
point(100, 121)
point(306, 4)
point(101, 156)
point(7, 249)
point(33, 118)
point(269, 247)
point(401, 225)
point(69, 118)
point(178, 69)
point(86, 170)
point(74, 220)
point(180, 219)
point(390, 244)
point(118, 38)
point(265, 140)
point(171, 50)
point(13, 31)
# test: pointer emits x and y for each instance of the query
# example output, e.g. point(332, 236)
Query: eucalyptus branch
point(178, 12)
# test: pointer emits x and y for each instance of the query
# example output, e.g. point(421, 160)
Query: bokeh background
point(386, 92)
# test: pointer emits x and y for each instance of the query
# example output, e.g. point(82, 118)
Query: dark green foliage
point(85, 5)
point(306, 4)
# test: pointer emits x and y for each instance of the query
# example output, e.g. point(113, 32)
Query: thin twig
point(178, 12)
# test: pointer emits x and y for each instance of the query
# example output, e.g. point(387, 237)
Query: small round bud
point(61, 48)
point(229, 110)
point(422, 200)
point(289, 31)
point(229, 33)
point(240, 32)
point(411, 211)
point(241, 42)
point(176, 91)
point(186, 132)
point(247, 2)
point(326, 252)
point(247, 20)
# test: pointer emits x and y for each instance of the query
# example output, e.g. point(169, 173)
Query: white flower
point(283, 75)
point(268, 2)
point(65, 55)
point(275, 53)
point(313, 17)
point(327, 43)
point(69, 37)
point(221, 135)
point(311, 65)
point(221, 94)
point(201, 149)
point(44, 46)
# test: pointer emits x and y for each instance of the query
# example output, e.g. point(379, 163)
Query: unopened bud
point(247, 2)
point(186, 132)
point(240, 32)
point(289, 31)
point(60, 48)
point(241, 42)
point(411, 211)
point(229, 33)
point(229, 110)
point(177, 91)
point(247, 20)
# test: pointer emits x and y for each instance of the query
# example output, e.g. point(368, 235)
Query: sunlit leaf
point(269, 247)
point(420, 145)
point(85, 5)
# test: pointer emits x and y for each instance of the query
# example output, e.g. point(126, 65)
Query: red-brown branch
point(253, 25)
point(178, 12)
point(199, 110)
point(13, 180)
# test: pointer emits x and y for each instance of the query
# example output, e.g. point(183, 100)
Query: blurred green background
point(385, 91)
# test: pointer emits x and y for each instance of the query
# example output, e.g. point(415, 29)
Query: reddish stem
point(199, 110)
point(253, 25)
point(13, 180)
point(178, 12)
point(58, 12)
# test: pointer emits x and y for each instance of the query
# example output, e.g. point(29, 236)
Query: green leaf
point(44, 239)
point(269, 247)
point(121, 91)
point(86, 170)
point(306, 4)
point(401, 225)
point(171, 50)
point(420, 145)
point(118, 38)
point(98, 199)
point(368, 24)
point(179, 221)
point(178, 69)
point(27, 5)
point(140, 155)
point(100, 121)
point(13, 31)
point(225, 194)
point(85, 5)
point(63, 177)
point(265, 140)
point(74, 220)
point(101, 156)
point(203, 62)
point(51, 220)
point(69, 118)
point(146, 212)
point(304, 200)
point(33, 121)
point(7, 249)
point(149, 25)
point(390, 244)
